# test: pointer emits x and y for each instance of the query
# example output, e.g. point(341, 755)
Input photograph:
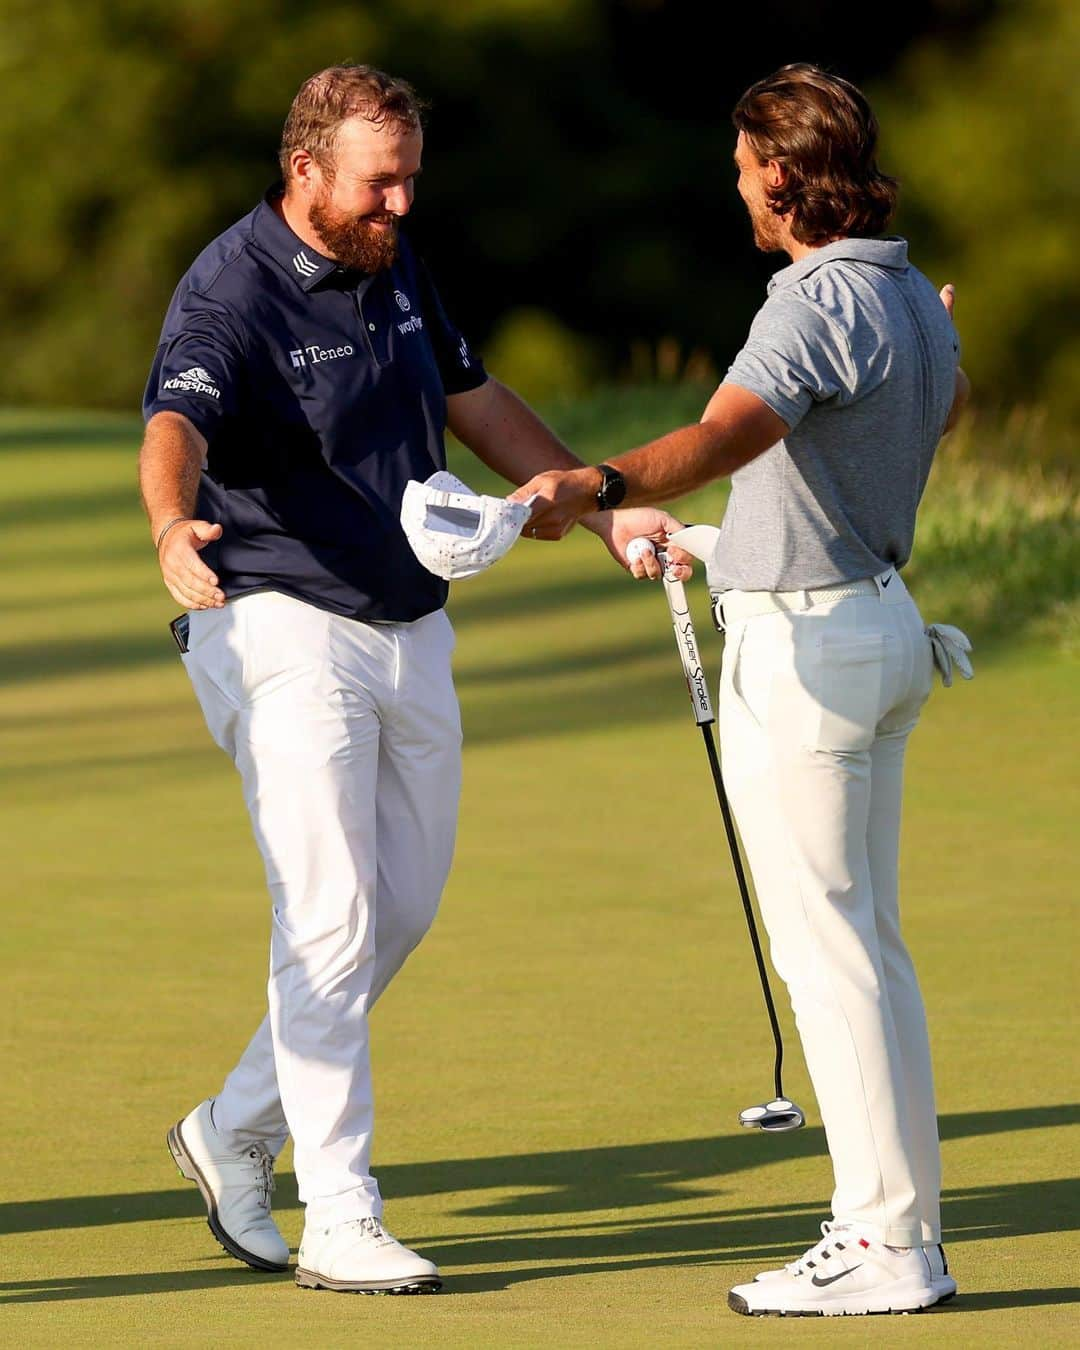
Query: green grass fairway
point(560, 1066)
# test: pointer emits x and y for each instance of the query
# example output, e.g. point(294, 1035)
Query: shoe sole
point(190, 1171)
point(310, 1279)
point(738, 1304)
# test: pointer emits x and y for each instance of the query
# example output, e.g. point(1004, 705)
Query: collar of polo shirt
point(305, 265)
point(890, 251)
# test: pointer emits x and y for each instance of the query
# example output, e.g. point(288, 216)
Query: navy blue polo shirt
point(320, 392)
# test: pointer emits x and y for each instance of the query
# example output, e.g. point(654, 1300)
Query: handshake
point(456, 533)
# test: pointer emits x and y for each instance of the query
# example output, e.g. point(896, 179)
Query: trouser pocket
point(842, 679)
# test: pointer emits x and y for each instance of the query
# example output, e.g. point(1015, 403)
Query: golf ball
point(639, 548)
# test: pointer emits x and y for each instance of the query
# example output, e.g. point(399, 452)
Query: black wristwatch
point(612, 489)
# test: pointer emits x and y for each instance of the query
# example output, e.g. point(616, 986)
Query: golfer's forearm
point(682, 461)
point(503, 431)
point(170, 462)
point(736, 427)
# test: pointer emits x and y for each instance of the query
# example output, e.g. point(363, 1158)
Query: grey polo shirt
point(854, 350)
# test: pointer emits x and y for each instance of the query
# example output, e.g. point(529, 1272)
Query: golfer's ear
point(775, 173)
point(301, 168)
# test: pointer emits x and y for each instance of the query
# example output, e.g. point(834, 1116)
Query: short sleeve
point(459, 366)
point(199, 364)
point(794, 357)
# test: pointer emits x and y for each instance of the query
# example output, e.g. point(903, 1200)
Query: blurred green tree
point(987, 142)
point(579, 162)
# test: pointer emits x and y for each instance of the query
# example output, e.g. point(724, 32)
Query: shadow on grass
point(1013, 1298)
point(579, 1182)
point(531, 600)
point(117, 1286)
point(595, 689)
point(57, 507)
point(611, 656)
point(69, 433)
point(85, 655)
point(180, 1282)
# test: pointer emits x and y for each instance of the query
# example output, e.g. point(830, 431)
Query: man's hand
point(617, 528)
point(190, 582)
point(562, 498)
point(962, 392)
point(171, 459)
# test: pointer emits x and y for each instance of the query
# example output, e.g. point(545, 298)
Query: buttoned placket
point(376, 339)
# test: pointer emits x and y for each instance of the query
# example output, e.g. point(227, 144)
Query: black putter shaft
point(744, 893)
point(697, 686)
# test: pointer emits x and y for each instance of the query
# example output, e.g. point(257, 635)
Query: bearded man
point(305, 374)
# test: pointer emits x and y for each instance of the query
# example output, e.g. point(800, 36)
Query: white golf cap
point(454, 532)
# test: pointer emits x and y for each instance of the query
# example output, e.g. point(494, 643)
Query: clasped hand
point(562, 498)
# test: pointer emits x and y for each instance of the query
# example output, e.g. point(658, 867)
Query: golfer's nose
point(397, 200)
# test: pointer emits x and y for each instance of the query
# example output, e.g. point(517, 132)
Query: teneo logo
point(463, 352)
point(403, 301)
point(412, 325)
point(300, 356)
point(304, 264)
point(193, 381)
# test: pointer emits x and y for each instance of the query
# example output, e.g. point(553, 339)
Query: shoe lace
point(821, 1250)
point(372, 1227)
point(262, 1162)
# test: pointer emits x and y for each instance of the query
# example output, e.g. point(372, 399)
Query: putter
point(780, 1114)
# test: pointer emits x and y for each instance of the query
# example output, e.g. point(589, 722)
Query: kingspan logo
point(194, 381)
point(316, 355)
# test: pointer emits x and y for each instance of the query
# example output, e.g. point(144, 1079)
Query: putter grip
point(686, 640)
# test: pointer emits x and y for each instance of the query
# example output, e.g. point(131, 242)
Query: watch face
point(613, 488)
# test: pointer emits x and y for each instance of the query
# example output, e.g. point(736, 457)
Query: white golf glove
point(950, 647)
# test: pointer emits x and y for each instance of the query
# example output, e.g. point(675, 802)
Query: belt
point(733, 606)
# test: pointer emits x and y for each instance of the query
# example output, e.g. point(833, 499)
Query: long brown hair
point(822, 130)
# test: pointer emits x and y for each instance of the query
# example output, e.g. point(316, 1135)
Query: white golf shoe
point(846, 1275)
point(792, 1266)
point(236, 1186)
point(360, 1257)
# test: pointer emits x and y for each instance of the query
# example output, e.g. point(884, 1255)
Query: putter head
point(776, 1116)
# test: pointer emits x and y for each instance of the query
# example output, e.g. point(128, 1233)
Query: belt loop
point(805, 601)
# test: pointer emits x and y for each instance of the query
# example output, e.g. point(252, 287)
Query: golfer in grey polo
point(856, 354)
point(827, 421)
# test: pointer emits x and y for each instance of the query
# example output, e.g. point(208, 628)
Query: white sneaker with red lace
point(236, 1185)
point(361, 1257)
point(846, 1274)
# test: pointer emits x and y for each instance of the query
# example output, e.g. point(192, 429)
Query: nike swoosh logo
point(816, 1279)
point(886, 581)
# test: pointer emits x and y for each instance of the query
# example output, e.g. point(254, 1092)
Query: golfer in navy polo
point(306, 372)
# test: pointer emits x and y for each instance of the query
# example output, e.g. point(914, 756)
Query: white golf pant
point(348, 741)
point(815, 709)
